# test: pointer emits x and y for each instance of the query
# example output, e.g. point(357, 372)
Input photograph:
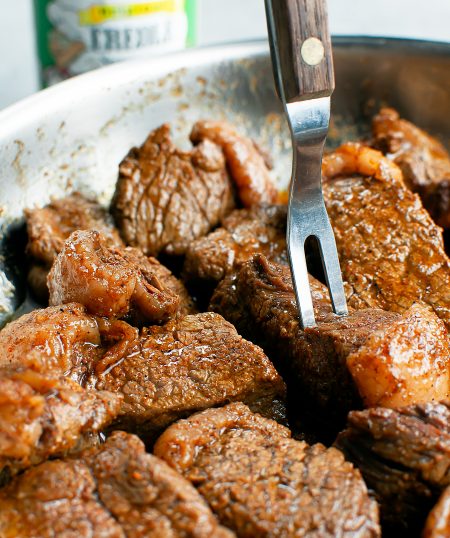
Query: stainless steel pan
point(74, 135)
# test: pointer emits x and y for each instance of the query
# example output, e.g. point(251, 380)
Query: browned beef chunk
point(243, 233)
point(406, 362)
point(188, 365)
point(403, 455)
point(63, 340)
point(424, 161)
point(114, 282)
point(260, 482)
point(42, 417)
point(60, 340)
point(165, 198)
point(391, 252)
point(56, 498)
point(247, 164)
point(114, 491)
point(438, 520)
point(50, 226)
point(260, 302)
point(381, 356)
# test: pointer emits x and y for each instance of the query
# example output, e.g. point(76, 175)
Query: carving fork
point(302, 62)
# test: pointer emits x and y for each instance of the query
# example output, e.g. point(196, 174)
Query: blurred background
point(211, 22)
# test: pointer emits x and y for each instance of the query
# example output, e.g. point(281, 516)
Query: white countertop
point(228, 21)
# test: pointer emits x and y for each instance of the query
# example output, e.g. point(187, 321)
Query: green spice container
point(75, 36)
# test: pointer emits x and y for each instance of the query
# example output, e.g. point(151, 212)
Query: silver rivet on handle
point(312, 51)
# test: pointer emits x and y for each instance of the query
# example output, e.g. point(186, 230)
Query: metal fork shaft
point(307, 215)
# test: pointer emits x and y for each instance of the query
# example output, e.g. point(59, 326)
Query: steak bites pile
point(114, 490)
point(123, 342)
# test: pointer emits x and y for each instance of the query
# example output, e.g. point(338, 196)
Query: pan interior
point(73, 137)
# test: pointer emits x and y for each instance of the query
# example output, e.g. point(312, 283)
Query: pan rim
point(108, 77)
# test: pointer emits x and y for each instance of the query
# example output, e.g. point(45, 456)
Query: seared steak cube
point(187, 365)
point(165, 198)
point(261, 482)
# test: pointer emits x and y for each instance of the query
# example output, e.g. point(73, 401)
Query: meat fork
point(302, 62)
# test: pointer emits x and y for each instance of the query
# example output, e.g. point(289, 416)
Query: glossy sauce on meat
point(404, 456)
point(111, 282)
point(424, 161)
point(60, 339)
point(247, 165)
point(105, 493)
point(243, 233)
point(187, 365)
point(406, 363)
point(391, 252)
point(42, 417)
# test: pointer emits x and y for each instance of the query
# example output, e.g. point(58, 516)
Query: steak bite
point(188, 365)
point(64, 341)
point(260, 482)
point(391, 252)
point(165, 198)
point(50, 226)
point(248, 166)
point(42, 417)
point(56, 498)
point(424, 161)
point(113, 282)
point(403, 455)
point(260, 302)
point(406, 362)
point(383, 356)
point(243, 233)
point(116, 490)
point(59, 340)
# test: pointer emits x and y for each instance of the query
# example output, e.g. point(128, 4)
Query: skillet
point(73, 136)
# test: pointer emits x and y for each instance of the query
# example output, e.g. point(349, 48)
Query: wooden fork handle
point(301, 48)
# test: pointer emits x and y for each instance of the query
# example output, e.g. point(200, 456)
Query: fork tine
point(300, 279)
point(333, 275)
